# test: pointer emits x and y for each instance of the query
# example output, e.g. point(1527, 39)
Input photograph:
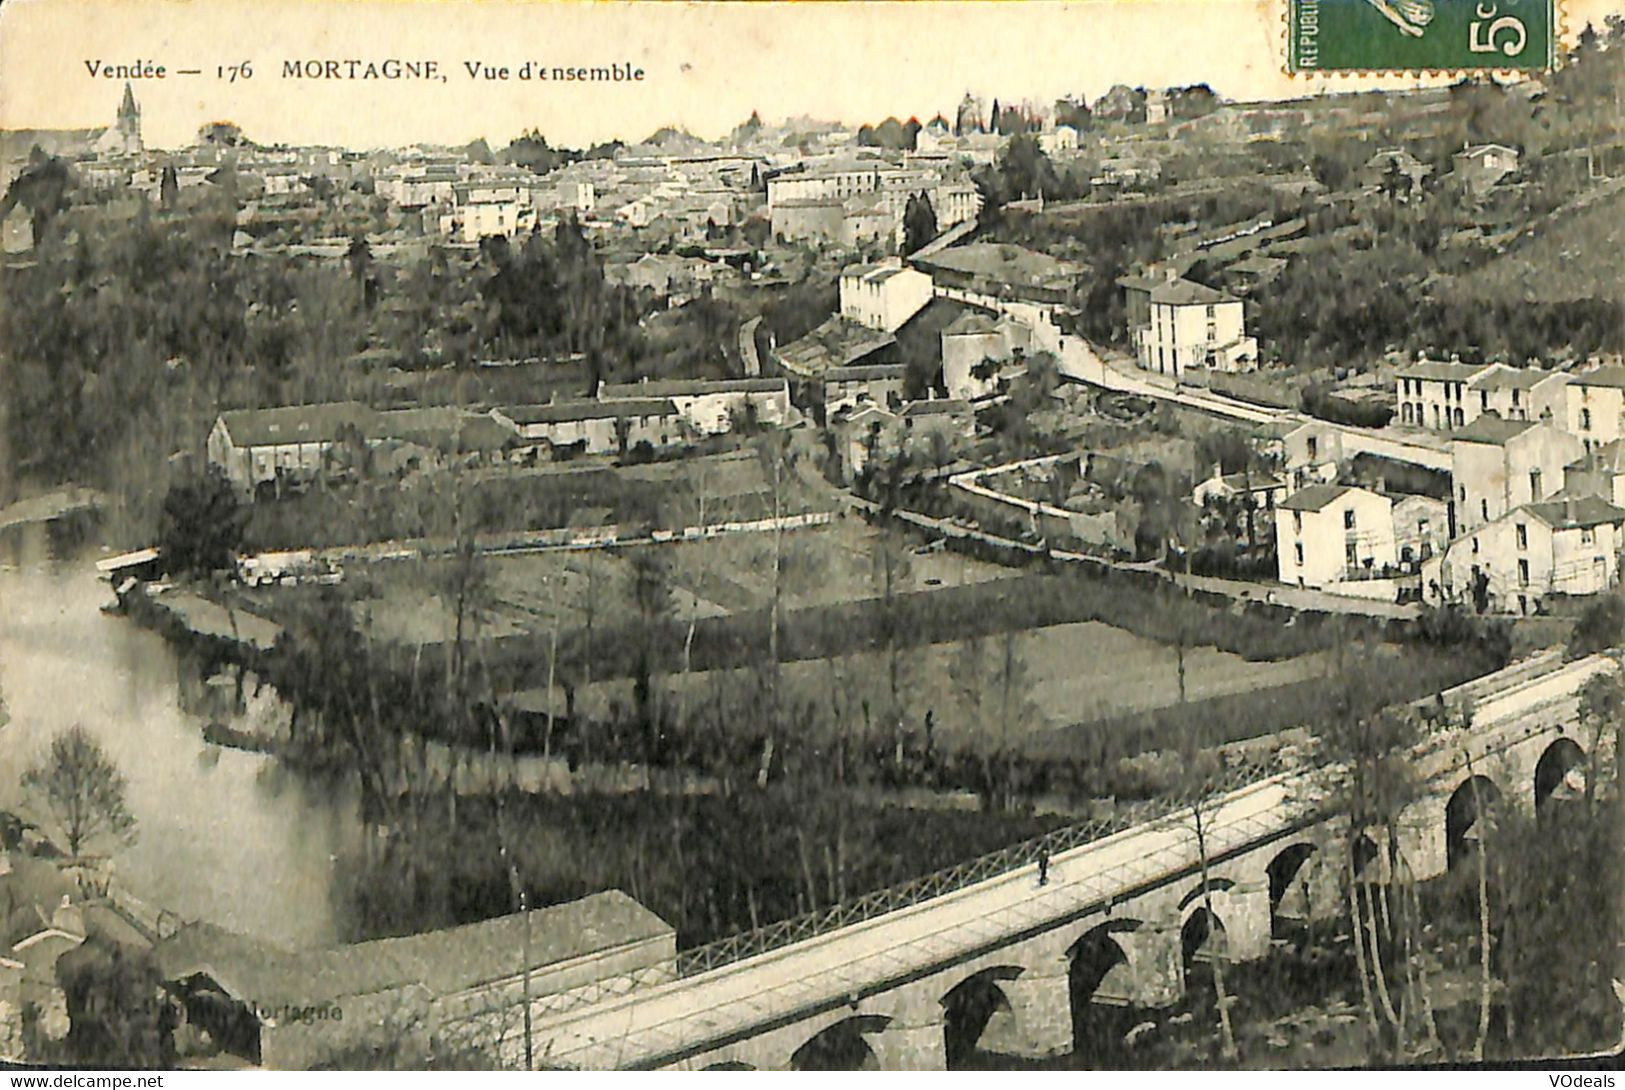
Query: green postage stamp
point(1421, 35)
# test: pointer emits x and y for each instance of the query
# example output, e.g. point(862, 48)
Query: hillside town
point(589, 574)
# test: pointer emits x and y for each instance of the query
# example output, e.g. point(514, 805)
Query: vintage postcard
point(811, 536)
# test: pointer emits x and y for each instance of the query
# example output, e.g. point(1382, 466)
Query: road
point(1304, 598)
point(747, 347)
point(1080, 361)
point(658, 1025)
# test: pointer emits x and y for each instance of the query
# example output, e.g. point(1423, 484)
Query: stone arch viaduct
point(1120, 920)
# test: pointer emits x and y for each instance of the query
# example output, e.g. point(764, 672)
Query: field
point(1068, 673)
point(406, 602)
point(729, 486)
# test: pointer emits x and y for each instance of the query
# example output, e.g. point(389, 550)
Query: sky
point(706, 65)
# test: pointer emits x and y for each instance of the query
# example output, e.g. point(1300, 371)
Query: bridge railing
point(808, 925)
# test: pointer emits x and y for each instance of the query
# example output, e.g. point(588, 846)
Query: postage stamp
point(1421, 35)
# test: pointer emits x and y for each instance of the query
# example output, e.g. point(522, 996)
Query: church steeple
point(129, 121)
point(128, 111)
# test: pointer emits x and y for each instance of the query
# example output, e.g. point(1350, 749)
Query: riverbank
point(225, 836)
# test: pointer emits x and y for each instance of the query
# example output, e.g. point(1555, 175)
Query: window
point(1515, 398)
point(1523, 573)
point(1588, 536)
point(1297, 522)
point(1585, 419)
point(1463, 493)
point(1297, 553)
point(1484, 400)
point(1523, 536)
point(1350, 555)
point(1534, 485)
point(1348, 519)
point(1475, 546)
point(1484, 509)
point(1313, 445)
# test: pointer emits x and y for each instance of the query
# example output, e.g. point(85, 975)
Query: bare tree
point(1200, 781)
point(80, 793)
point(778, 457)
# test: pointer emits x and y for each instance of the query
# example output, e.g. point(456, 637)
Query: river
point(223, 835)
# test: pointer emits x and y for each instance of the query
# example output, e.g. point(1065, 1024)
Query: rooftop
point(295, 423)
point(877, 273)
point(1437, 371)
point(936, 407)
point(1609, 457)
point(1316, 497)
point(1502, 377)
point(559, 412)
point(866, 372)
point(1602, 376)
point(1579, 512)
point(1490, 428)
point(1184, 292)
point(1476, 150)
point(445, 962)
point(971, 322)
point(1252, 482)
point(1003, 262)
point(835, 342)
point(621, 391)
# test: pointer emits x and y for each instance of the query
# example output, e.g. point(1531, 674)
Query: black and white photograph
point(540, 535)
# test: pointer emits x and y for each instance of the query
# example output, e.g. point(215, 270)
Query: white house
point(955, 203)
point(973, 346)
point(883, 296)
point(1327, 533)
point(251, 446)
point(865, 430)
point(1305, 452)
point(601, 427)
point(1185, 325)
point(1565, 546)
point(1519, 393)
point(489, 215)
point(1596, 405)
point(1480, 166)
point(1059, 140)
point(710, 407)
point(1434, 395)
point(1421, 528)
point(874, 383)
point(296, 443)
point(578, 195)
point(1497, 465)
point(1263, 490)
